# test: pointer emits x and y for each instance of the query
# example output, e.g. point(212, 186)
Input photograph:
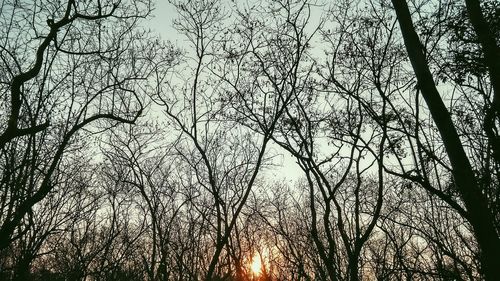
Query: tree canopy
point(126, 156)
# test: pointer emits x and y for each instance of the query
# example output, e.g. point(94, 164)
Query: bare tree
point(478, 213)
point(224, 157)
point(392, 187)
point(70, 70)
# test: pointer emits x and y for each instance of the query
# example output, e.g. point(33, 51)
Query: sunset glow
point(256, 265)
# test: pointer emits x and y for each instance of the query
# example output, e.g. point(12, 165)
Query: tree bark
point(479, 215)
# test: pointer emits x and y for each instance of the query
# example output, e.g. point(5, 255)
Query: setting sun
point(256, 265)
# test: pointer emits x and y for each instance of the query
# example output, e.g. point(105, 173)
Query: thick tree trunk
point(492, 60)
point(489, 47)
point(479, 215)
point(353, 267)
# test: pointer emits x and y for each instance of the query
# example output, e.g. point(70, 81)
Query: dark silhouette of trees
point(59, 84)
point(126, 157)
point(70, 70)
point(477, 213)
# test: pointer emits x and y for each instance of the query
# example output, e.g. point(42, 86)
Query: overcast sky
point(161, 21)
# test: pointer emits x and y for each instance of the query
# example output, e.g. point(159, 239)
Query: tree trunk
point(479, 215)
point(489, 47)
point(353, 267)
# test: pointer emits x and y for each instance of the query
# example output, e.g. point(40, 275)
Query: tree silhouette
point(128, 157)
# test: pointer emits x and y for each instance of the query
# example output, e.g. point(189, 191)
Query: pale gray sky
point(161, 21)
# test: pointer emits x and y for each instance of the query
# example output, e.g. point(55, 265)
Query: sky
point(161, 22)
